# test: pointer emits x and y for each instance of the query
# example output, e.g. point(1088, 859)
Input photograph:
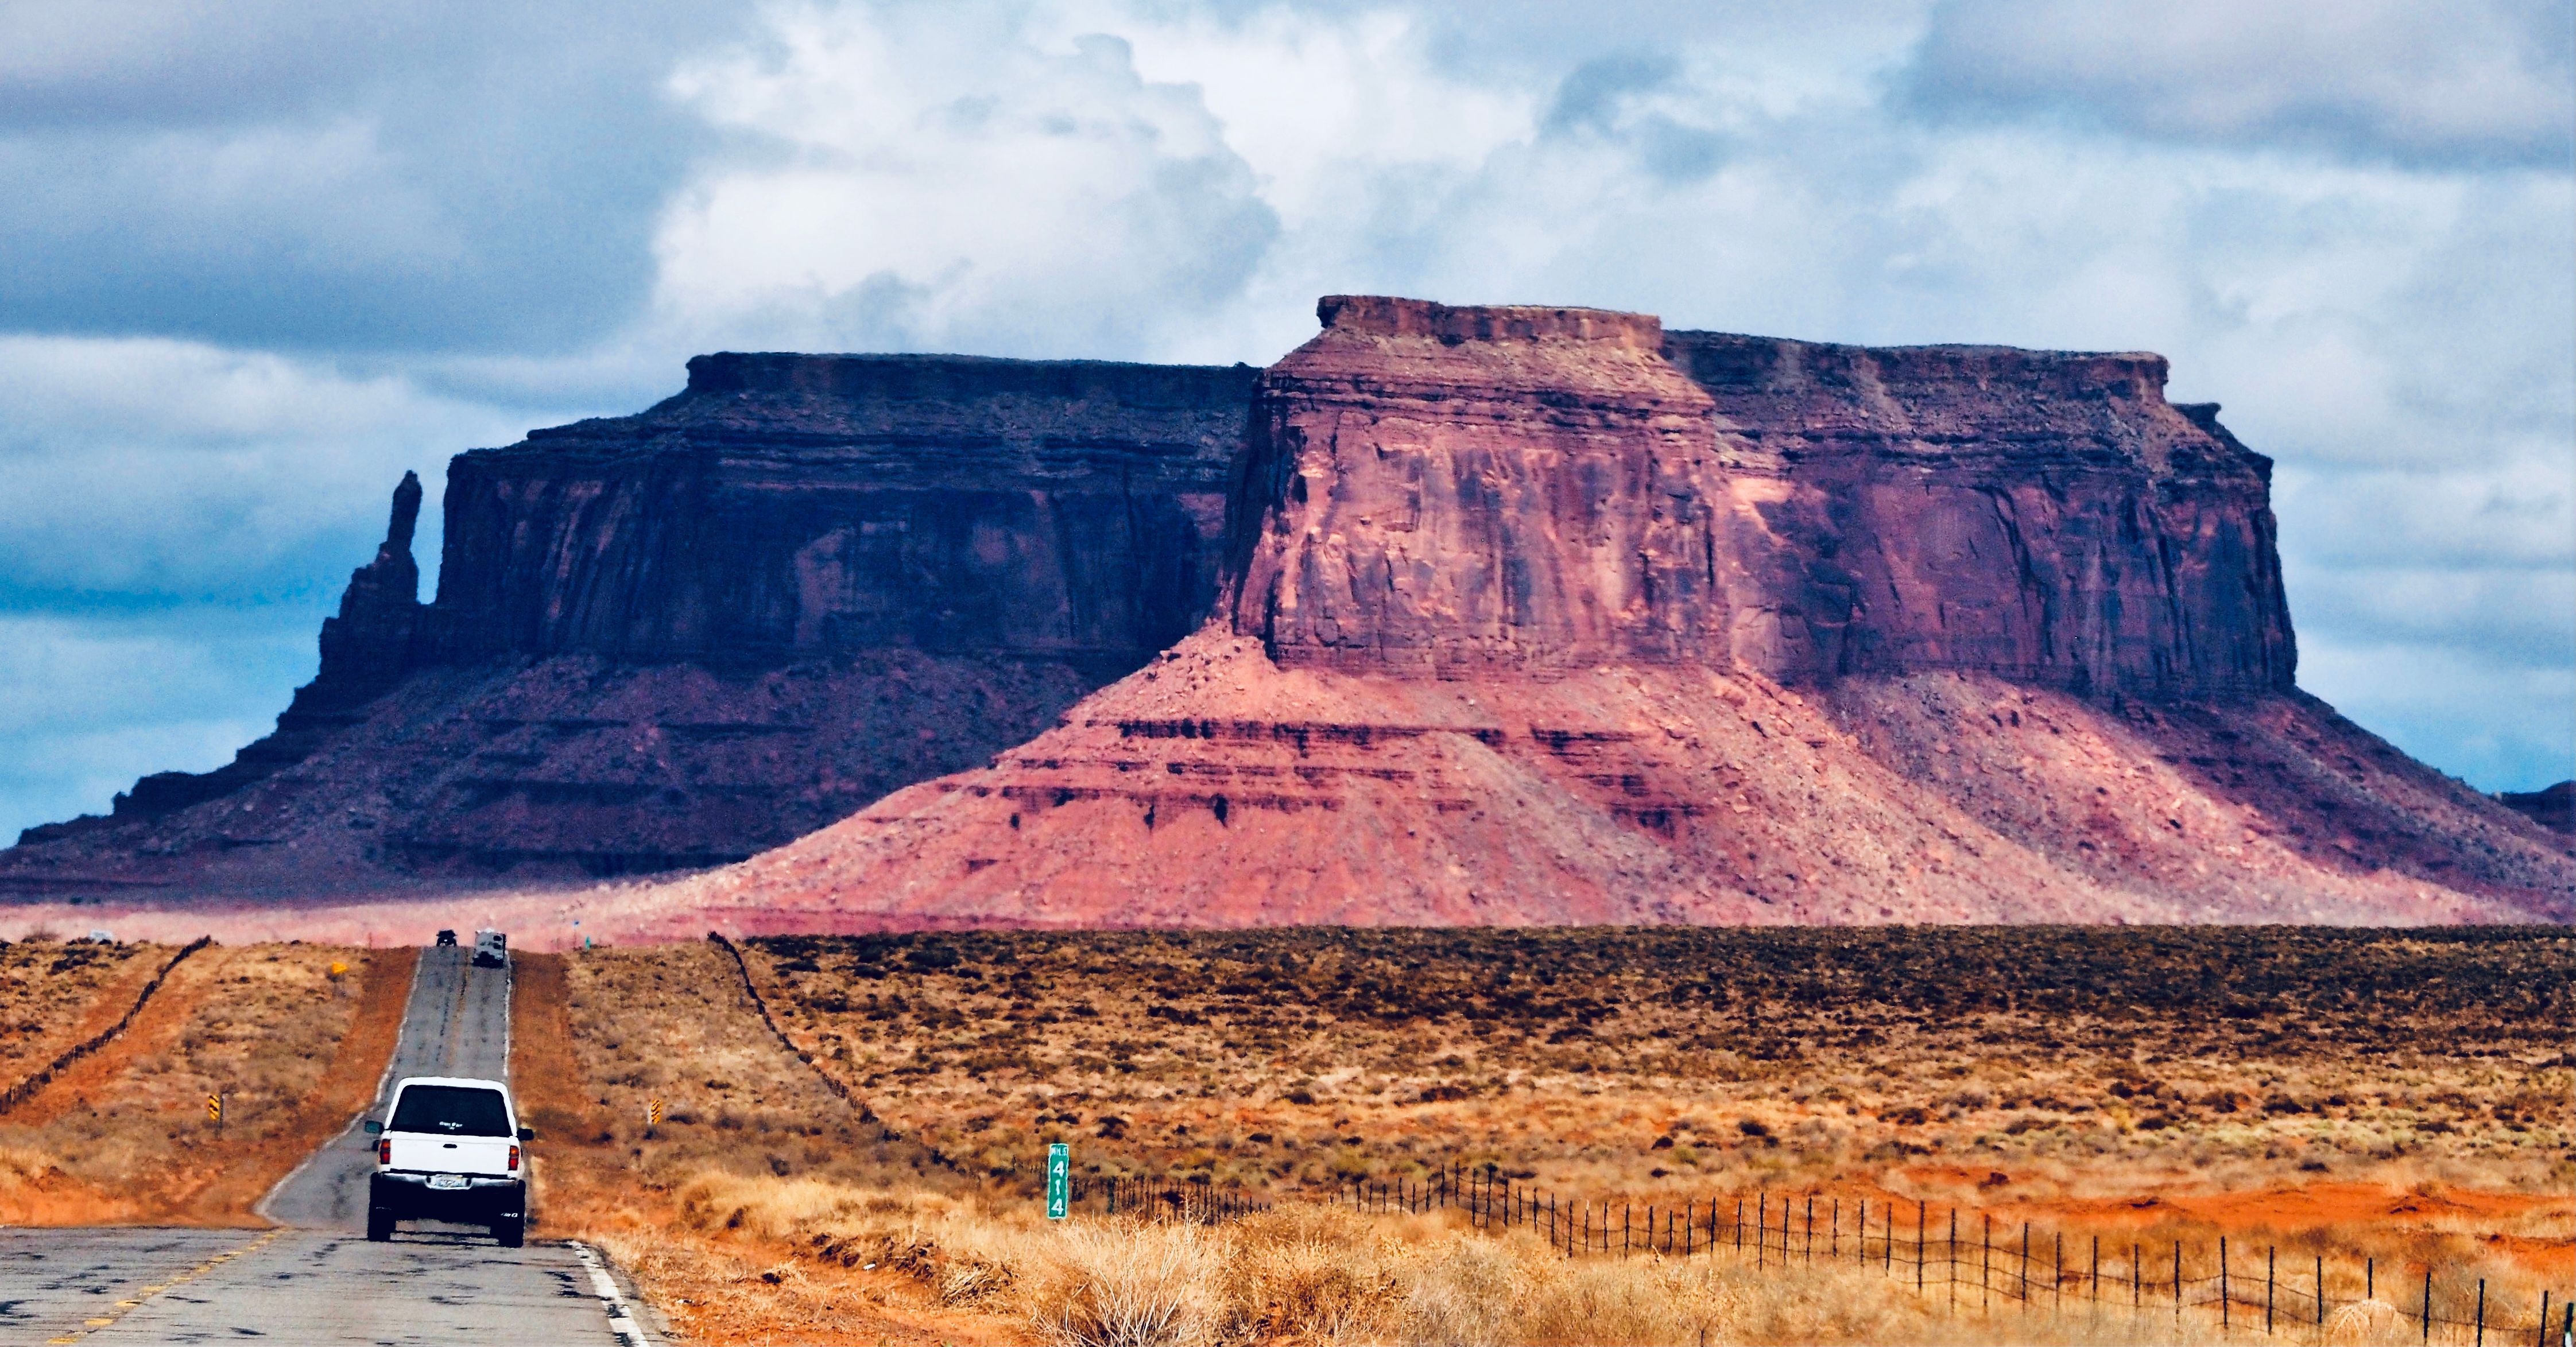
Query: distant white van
point(491, 949)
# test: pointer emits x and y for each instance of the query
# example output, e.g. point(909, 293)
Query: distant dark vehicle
point(491, 949)
point(446, 939)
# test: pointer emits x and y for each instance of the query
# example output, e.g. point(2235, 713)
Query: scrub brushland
point(2392, 1095)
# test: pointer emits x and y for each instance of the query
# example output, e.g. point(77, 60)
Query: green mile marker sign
point(1059, 1180)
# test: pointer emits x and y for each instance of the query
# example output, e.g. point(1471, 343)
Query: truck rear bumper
point(406, 1196)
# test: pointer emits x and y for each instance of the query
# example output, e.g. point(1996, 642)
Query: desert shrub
point(1127, 1284)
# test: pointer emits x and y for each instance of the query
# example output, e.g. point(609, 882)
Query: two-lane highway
point(316, 1279)
point(457, 1024)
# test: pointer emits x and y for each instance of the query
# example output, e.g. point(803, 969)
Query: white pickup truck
point(449, 1151)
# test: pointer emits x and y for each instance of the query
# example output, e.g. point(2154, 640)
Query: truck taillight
point(514, 1159)
point(385, 1151)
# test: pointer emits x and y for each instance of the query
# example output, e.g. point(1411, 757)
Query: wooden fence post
point(2269, 1252)
point(2482, 1312)
point(2428, 1303)
point(1951, 1257)
point(2177, 1279)
point(2543, 1339)
point(2321, 1290)
point(1985, 1261)
point(2222, 1283)
point(2025, 1265)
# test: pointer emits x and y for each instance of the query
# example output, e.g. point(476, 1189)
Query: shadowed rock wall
point(790, 506)
point(2043, 516)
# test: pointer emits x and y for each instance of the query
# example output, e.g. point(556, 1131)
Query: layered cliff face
point(675, 638)
point(2041, 516)
point(1437, 490)
point(787, 507)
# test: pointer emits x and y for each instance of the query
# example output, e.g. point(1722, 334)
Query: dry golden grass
point(2073, 1062)
point(123, 1135)
point(1288, 1061)
point(55, 994)
point(1309, 1274)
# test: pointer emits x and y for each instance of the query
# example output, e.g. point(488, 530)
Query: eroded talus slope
point(483, 777)
point(2262, 808)
point(1219, 789)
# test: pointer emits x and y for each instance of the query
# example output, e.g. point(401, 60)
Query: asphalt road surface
point(317, 1279)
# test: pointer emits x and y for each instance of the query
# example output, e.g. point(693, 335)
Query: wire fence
point(1164, 1200)
point(1981, 1266)
point(27, 1088)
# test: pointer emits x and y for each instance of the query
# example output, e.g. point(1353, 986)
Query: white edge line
point(260, 1208)
point(621, 1320)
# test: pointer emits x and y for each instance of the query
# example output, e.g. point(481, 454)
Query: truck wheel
point(511, 1231)
point(380, 1224)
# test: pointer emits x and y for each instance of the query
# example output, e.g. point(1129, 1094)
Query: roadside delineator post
point(652, 1115)
point(215, 1111)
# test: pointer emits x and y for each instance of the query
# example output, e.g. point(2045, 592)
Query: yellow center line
point(126, 1307)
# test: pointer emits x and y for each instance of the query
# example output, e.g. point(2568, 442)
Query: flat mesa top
point(1389, 316)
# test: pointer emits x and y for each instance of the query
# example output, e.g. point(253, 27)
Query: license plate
point(447, 1182)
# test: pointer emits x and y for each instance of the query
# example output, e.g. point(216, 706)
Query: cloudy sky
point(262, 256)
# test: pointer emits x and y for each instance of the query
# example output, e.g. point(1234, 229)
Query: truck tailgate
point(450, 1155)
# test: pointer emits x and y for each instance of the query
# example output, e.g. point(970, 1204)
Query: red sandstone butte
point(1525, 623)
point(1453, 615)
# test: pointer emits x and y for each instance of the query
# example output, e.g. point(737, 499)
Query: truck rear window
point(452, 1110)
